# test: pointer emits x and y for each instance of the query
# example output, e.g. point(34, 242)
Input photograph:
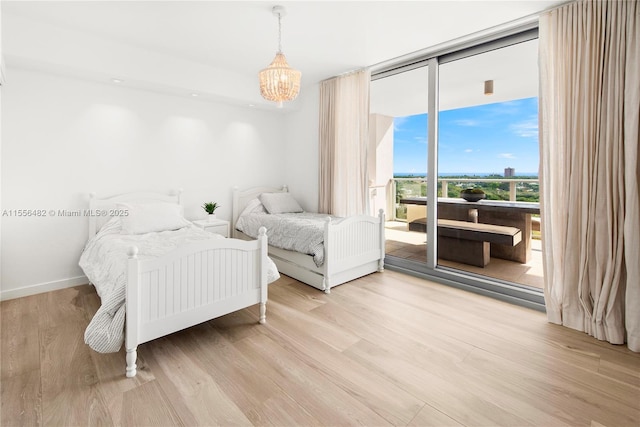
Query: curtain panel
point(343, 134)
point(589, 173)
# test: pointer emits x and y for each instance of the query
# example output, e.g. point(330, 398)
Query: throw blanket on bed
point(300, 232)
point(104, 262)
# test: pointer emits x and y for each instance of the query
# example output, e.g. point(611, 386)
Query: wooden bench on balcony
point(469, 242)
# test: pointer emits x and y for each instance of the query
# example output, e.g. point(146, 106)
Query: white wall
point(63, 138)
point(302, 149)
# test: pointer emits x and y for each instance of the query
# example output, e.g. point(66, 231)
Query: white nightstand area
point(217, 226)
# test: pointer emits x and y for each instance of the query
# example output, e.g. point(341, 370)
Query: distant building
point(509, 172)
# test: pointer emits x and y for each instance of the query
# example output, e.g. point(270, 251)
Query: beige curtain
point(344, 131)
point(589, 172)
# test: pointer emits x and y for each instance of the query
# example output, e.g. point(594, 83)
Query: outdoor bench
point(469, 242)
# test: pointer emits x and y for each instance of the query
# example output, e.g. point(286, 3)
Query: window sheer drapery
point(344, 132)
point(590, 178)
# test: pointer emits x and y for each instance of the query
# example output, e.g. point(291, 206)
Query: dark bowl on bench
point(472, 197)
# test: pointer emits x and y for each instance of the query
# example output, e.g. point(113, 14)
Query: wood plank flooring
point(387, 349)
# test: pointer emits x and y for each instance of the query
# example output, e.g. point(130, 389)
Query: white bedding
point(104, 262)
point(301, 232)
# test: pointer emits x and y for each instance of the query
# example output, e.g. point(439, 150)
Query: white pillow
point(148, 217)
point(276, 203)
point(253, 206)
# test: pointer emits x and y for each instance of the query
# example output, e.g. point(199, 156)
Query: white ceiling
point(513, 69)
point(216, 48)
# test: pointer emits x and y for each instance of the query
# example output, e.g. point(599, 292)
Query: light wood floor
point(387, 349)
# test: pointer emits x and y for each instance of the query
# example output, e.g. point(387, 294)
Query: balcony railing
point(512, 189)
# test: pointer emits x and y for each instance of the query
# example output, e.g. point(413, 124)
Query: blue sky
point(481, 139)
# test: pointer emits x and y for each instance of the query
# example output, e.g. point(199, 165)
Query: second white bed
point(352, 247)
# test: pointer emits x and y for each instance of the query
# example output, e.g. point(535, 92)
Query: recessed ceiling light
point(116, 80)
point(194, 94)
point(251, 105)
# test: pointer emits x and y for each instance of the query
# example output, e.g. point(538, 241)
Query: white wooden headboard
point(102, 210)
point(241, 198)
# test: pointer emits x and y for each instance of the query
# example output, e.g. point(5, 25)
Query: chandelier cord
point(279, 33)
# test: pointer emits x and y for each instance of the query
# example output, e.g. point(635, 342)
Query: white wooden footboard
point(191, 285)
point(353, 248)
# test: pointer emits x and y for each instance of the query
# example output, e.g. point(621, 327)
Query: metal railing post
point(394, 189)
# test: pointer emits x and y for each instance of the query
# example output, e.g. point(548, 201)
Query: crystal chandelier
point(279, 82)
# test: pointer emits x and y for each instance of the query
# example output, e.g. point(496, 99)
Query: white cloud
point(506, 156)
point(468, 150)
point(526, 128)
point(420, 139)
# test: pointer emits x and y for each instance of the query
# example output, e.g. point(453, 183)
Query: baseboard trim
point(43, 287)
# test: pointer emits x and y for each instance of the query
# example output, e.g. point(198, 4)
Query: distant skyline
point(482, 139)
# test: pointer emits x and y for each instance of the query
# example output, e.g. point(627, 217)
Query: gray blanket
point(300, 232)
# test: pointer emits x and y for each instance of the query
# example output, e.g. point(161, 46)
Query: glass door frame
point(507, 291)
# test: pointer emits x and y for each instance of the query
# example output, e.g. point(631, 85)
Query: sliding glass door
point(399, 134)
point(463, 124)
point(488, 150)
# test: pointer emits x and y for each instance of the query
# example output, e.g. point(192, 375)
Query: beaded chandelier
point(279, 82)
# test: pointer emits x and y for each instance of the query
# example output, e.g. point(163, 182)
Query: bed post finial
point(132, 252)
point(180, 190)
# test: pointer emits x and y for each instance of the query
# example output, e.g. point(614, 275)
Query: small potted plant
point(472, 194)
point(210, 208)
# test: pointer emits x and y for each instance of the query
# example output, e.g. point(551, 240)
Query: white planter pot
point(212, 217)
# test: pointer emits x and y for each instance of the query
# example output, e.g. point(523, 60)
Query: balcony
point(406, 244)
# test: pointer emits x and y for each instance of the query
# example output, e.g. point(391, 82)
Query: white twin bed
point(162, 273)
point(318, 250)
